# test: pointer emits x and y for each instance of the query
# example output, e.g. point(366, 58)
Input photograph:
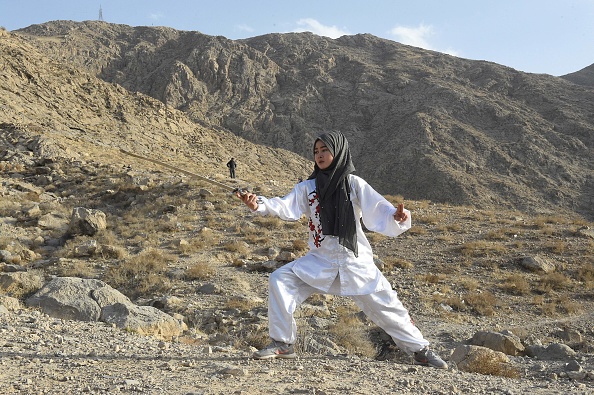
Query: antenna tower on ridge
point(100, 13)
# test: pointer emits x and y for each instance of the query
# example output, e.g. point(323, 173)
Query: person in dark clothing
point(232, 165)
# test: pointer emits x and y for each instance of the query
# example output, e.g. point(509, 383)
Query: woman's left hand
point(400, 215)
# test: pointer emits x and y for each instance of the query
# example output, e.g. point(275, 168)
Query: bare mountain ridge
point(73, 114)
point(422, 124)
point(584, 76)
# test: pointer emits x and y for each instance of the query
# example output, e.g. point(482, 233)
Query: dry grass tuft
point(487, 365)
point(238, 246)
point(241, 303)
point(553, 282)
point(350, 333)
point(77, 269)
point(392, 262)
point(417, 230)
point(585, 273)
point(515, 284)
point(142, 274)
point(299, 246)
point(200, 271)
point(483, 303)
point(556, 247)
point(481, 248)
point(268, 222)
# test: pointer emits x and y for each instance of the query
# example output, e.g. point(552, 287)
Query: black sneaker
point(276, 350)
point(426, 357)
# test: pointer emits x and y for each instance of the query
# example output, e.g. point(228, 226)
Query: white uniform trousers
point(287, 292)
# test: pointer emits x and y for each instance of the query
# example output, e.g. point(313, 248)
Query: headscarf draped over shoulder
point(336, 210)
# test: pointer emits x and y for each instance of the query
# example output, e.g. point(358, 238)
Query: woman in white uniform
point(340, 260)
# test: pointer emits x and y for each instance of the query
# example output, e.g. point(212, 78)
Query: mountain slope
point(583, 77)
point(78, 115)
point(422, 124)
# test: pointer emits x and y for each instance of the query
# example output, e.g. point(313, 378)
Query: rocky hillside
point(120, 276)
point(86, 116)
point(422, 124)
point(584, 76)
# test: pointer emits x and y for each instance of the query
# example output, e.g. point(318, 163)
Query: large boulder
point(504, 342)
point(474, 358)
point(145, 320)
point(74, 298)
point(87, 221)
point(93, 300)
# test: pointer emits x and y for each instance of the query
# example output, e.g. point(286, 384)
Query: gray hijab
point(336, 210)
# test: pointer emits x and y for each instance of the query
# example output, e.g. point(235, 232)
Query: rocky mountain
point(118, 276)
point(584, 76)
point(421, 124)
point(85, 117)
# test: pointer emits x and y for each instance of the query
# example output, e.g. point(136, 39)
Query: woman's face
point(322, 155)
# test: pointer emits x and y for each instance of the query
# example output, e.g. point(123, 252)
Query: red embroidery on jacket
point(315, 228)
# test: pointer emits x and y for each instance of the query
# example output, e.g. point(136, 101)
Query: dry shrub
point(238, 246)
point(268, 222)
point(568, 305)
point(350, 333)
point(516, 285)
point(557, 247)
point(445, 238)
point(553, 282)
point(431, 219)
point(432, 278)
point(220, 221)
point(548, 309)
point(207, 238)
point(374, 237)
point(485, 364)
point(481, 248)
point(418, 205)
point(200, 271)
point(483, 303)
point(468, 284)
point(392, 262)
point(141, 274)
point(262, 241)
point(586, 273)
point(240, 303)
point(417, 230)
point(497, 234)
point(77, 269)
point(255, 336)
point(543, 220)
point(7, 166)
point(547, 230)
point(8, 206)
point(299, 245)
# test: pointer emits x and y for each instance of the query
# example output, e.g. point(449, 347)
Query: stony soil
point(428, 266)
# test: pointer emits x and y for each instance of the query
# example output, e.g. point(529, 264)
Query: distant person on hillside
point(340, 260)
point(232, 165)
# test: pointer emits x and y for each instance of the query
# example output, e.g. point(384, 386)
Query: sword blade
point(188, 173)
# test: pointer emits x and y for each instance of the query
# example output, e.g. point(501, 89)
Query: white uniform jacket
point(326, 258)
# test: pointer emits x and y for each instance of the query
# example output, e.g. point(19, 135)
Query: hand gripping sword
point(188, 173)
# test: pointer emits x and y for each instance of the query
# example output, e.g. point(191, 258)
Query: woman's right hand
point(250, 200)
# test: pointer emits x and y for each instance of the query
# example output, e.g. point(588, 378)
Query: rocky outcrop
point(74, 298)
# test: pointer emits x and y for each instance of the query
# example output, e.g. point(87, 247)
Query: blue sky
point(537, 36)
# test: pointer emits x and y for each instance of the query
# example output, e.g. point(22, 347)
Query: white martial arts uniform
point(329, 267)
